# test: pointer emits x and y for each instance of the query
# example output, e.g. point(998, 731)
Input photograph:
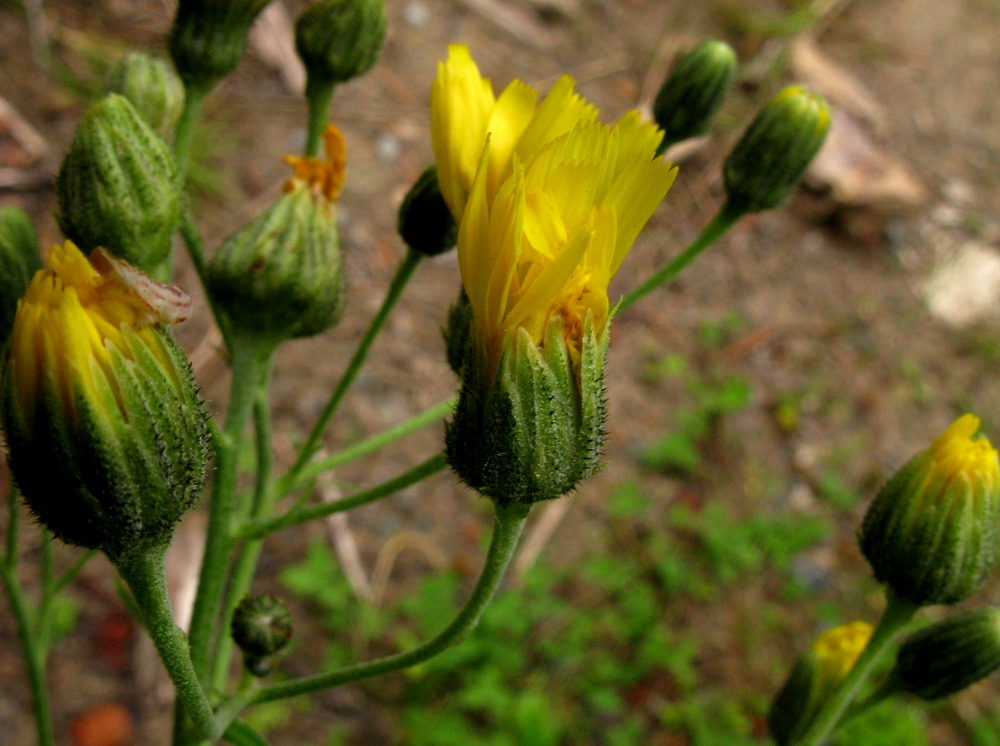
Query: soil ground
point(825, 302)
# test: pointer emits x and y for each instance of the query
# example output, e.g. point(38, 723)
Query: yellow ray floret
point(69, 320)
point(550, 209)
point(838, 649)
point(958, 454)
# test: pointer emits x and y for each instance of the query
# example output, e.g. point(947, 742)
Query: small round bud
point(814, 678)
point(694, 91)
point(280, 277)
point(775, 150)
point(532, 429)
point(946, 657)
point(425, 222)
point(106, 435)
point(930, 535)
point(19, 260)
point(119, 187)
point(340, 39)
point(151, 86)
point(207, 38)
point(261, 628)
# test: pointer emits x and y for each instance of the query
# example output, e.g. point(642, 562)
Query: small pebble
point(415, 14)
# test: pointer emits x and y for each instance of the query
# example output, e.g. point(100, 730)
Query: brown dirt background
point(831, 296)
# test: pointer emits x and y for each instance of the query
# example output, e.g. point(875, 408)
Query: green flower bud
point(930, 535)
point(106, 435)
point(425, 222)
point(944, 658)
point(775, 150)
point(19, 260)
point(813, 679)
point(537, 428)
point(261, 628)
point(694, 91)
point(280, 276)
point(340, 39)
point(207, 38)
point(119, 188)
point(458, 333)
point(151, 86)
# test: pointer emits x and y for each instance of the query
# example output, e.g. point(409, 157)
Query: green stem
point(403, 274)
point(249, 553)
point(70, 574)
point(721, 223)
point(507, 530)
point(897, 615)
point(35, 653)
point(249, 360)
point(364, 447)
point(145, 575)
point(196, 250)
point(260, 529)
point(193, 98)
point(319, 93)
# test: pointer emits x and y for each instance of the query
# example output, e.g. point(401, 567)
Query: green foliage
point(890, 724)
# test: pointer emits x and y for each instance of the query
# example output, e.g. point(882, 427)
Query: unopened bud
point(775, 150)
point(119, 188)
point(261, 628)
point(930, 535)
point(340, 39)
point(151, 86)
point(425, 222)
point(694, 91)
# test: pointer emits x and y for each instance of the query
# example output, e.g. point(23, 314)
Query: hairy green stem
point(35, 652)
point(364, 447)
point(70, 574)
point(507, 530)
point(144, 573)
point(260, 529)
point(718, 226)
point(248, 554)
point(403, 274)
point(897, 615)
point(319, 93)
point(193, 98)
point(249, 361)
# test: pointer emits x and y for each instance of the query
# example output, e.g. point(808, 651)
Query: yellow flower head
point(956, 454)
point(324, 177)
point(71, 321)
point(548, 200)
point(836, 651)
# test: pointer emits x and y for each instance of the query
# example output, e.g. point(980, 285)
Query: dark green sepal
point(425, 222)
point(151, 85)
point(340, 39)
point(280, 276)
point(119, 187)
point(118, 471)
point(948, 656)
point(19, 260)
point(930, 541)
point(693, 92)
point(537, 429)
point(795, 705)
point(458, 333)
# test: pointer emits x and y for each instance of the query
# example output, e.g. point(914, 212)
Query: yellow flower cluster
point(548, 200)
point(69, 323)
point(956, 454)
point(837, 651)
point(323, 176)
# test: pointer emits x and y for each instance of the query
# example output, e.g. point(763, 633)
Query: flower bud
point(340, 39)
point(694, 91)
point(775, 150)
point(151, 86)
point(207, 38)
point(425, 222)
point(280, 276)
point(458, 333)
point(946, 657)
point(119, 188)
point(537, 428)
point(261, 628)
point(19, 260)
point(930, 535)
point(814, 678)
point(106, 435)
